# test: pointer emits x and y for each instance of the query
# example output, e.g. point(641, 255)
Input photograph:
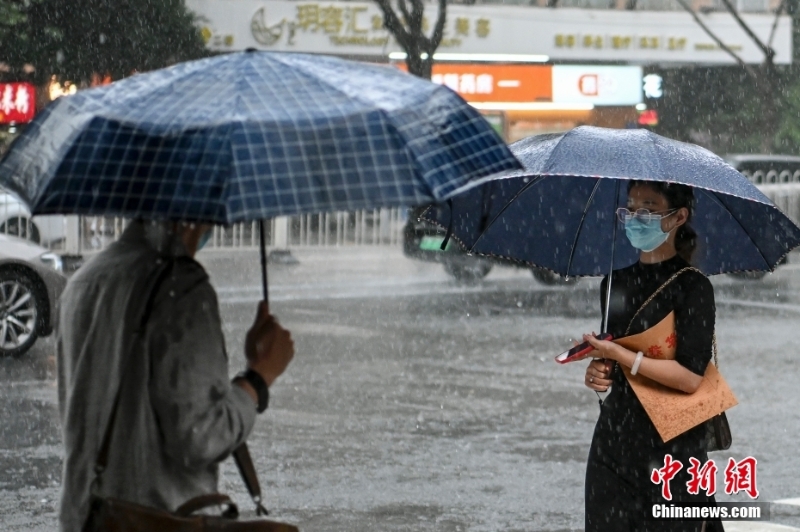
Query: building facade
point(530, 69)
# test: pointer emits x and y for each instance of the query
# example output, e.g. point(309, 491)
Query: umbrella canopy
point(249, 136)
point(559, 213)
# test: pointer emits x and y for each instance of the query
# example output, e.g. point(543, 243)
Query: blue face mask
point(645, 236)
point(204, 239)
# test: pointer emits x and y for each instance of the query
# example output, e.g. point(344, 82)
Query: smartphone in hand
point(579, 350)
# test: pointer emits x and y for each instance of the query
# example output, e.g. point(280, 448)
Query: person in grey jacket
point(179, 415)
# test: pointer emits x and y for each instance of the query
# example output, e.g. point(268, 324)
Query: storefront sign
point(599, 85)
point(563, 34)
point(495, 83)
point(560, 84)
point(17, 103)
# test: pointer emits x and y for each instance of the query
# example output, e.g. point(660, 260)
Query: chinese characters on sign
point(466, 83)
point(495, 83)
point(739, 476)
point(562, 84)
point(619, 42)
point(17, 102)
point(360, 25)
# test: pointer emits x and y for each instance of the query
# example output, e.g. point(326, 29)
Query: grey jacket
point(178, 415)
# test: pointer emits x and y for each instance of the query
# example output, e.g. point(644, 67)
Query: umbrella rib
point(580, 226)
point(716, 198)
point(658, 160)
point(553, 151)
point(537, 179)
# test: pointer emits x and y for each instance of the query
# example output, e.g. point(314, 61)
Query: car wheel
point(20, 307)
point(550, 278)
point(21, 227)
point(468, 273)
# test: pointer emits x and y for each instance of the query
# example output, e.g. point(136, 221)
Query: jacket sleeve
point(201, 416)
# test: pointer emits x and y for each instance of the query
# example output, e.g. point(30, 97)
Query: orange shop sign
point(496, 83)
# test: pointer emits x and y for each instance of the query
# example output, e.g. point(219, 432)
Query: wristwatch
point(259, 385)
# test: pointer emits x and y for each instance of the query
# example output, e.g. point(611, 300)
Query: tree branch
point(394, 25)
point(769, 53)
point(417, 16)
point(404, 11)
point(438, 30)
point(778, 13)
point(717, 40)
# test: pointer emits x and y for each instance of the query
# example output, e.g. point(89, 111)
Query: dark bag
point(718, 433)
point(108, 514)
point(114, 515)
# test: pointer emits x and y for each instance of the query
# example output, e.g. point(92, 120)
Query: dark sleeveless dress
point(626, 446)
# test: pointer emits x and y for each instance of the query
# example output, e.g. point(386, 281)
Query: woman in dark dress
point(626, 447)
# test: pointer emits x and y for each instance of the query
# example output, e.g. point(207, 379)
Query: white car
point(31, 281)
point(16, 220)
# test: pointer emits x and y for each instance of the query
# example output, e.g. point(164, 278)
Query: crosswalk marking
point(756, 526)
point(793, 502)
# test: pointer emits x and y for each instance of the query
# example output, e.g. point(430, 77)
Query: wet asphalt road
point(417, 404)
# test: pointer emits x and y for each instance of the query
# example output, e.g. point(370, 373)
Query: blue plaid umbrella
point(559, 213)
point(249, 136)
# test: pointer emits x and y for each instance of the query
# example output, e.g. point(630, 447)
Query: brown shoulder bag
point(674, 412)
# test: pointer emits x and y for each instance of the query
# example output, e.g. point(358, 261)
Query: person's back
point(178, 413)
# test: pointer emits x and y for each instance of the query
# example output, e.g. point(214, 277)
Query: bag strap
point(658, 291)
point(141, 321)
point(204, 501)
point(241, 455)
point(244, 463)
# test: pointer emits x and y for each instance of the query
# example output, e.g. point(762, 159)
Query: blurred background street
point(414, 403)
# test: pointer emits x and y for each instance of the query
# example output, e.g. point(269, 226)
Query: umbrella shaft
point(263, 246)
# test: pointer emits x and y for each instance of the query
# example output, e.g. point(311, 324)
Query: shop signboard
point(598, 85)
point(559, 84)
point(575, 35)
point(483, 82)
point(17, 103)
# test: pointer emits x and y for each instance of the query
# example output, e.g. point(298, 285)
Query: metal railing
point(78, 235)
point(378, 227)
point(786, 196)
point(74, 235)
point(15, 220)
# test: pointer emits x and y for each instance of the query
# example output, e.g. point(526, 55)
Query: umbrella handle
point(262, 237)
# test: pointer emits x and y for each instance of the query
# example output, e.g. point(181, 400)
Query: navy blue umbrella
point(559, 213)
point(249, 136)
